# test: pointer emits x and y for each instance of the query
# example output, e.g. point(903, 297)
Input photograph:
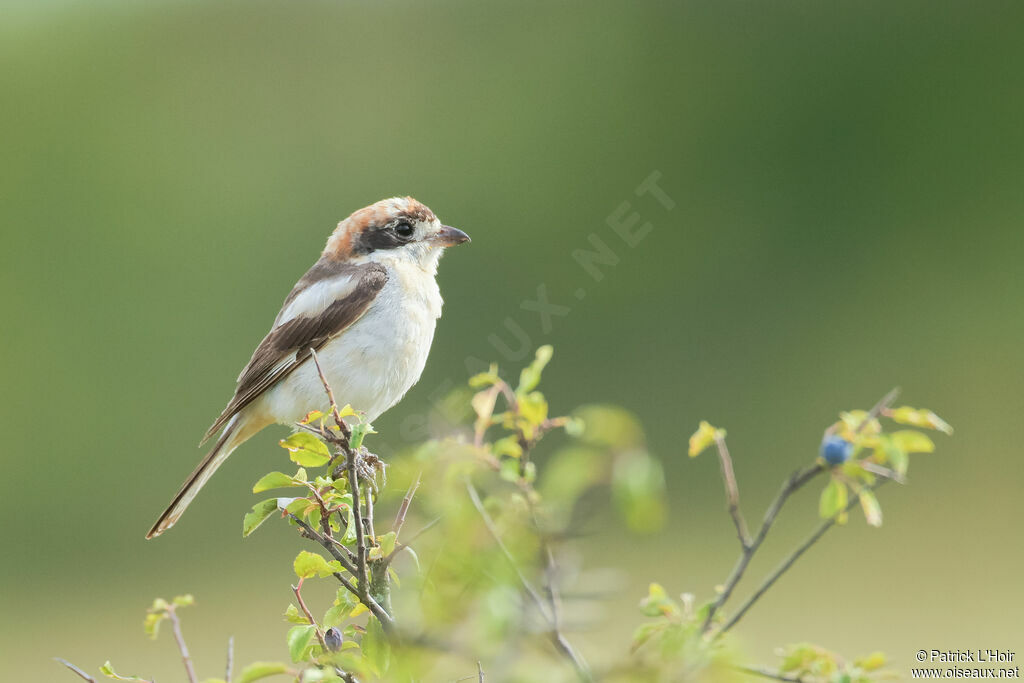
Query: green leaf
point(872, 510)
point(306, 450)
point(657, 603)
point(507, 445)
point(359, 432)
point(299, 638)
point(872, 662)
point(834, 499)
point(484, 379)
point(293, 615)
point(529, 378)
point(704, 437)
point(274, 480)
point(109, 672)
point(376, 648)
point(259, 513)
point(258, 670)
point(387, 543)
point(186, 600)
point(152, 623)
point(307, 565)
point(920, 418)
point(910, 441)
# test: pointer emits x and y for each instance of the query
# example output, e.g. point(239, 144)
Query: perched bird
point(368, 307)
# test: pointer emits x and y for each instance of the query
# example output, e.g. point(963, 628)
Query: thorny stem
point(557, 638)
point(795, 482)
point(182, 647)
point(793, 557)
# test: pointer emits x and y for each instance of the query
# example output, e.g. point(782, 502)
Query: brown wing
point(287, 346)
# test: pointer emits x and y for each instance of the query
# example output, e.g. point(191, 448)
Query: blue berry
point(836, 450)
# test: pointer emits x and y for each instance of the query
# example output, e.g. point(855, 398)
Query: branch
point(182, 647)
point(732, 492)
point(793, 557)
point(796, 481)
point(403, 510)
point(766, 673)
point(557, 638)
point(330, 395)
point(305, 610)
point(385, 619)
point(74, 669)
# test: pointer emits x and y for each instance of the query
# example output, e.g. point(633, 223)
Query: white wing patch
point(313, 300)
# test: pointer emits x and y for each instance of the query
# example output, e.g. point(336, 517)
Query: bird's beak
point(449, 237)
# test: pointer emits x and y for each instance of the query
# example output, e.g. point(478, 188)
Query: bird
point(368, 308)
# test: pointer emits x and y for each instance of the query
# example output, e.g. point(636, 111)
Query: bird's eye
point(404, 230)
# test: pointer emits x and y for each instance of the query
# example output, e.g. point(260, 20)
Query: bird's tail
point(238, 430)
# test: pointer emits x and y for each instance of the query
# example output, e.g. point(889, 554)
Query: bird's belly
point(370, 366)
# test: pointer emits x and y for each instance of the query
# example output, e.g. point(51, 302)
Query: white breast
point(373, 363)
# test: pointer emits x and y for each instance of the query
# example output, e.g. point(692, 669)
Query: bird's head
point(399, 229)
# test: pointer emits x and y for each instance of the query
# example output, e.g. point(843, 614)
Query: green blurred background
point(847, 187)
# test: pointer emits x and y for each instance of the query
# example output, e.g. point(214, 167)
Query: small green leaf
point(359, 432)
point(657, 603)
point(387, 543)
point(259, 513)
point(299, 638)
point(306, 450)
point(274, 480)
point(834, 499)
point(258, 670)
point(109, 672)
point(910, 441)
point(872, 662)
point(293, 615)
point(186, 600)
point(529, 378)
point(704, 437)
point(920, 418)
point(507, 445)
point(872, 510)
point(307, 565)
point(152, 624)
point(484, 379)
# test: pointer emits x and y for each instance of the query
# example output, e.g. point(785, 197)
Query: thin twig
point(766, 673)
point(793, 484)
point(330, 395)
point(182, 647)
point(329, 544)
point(480, 671)
point(387, 623)
point(229, 669)
point(305, 610)
point(793, 557)
point(557, 638)
point(732, 492)
point(403, 510)
point(75, 669)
